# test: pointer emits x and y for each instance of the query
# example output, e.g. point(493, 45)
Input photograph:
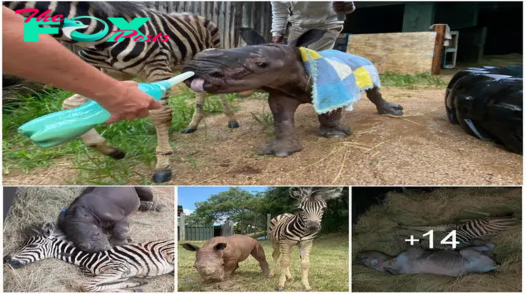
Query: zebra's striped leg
point(162, 118)
point(285, 249)
point(92, 138)
point(198, 113)
point(276, 257)
point(232, 121)
point(111, 280)
point(305, 248)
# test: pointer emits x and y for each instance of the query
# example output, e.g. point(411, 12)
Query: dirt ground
point(379, 228)
point(35, 205)
point(422, 148)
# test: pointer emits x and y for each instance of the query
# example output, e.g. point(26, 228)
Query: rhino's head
point(81, 228)
point(209, 261)
point(373, 258)
point(251, 67)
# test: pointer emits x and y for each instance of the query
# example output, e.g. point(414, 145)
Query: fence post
point(182, 228)
point(268, 225)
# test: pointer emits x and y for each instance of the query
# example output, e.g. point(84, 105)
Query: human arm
point(280, 14)
point(49, 62)
point(344, 7)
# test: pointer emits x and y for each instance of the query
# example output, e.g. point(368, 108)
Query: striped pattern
point(293, 227)
point(189, 34)
point(114, 266)
point(149, 61)
point(474, 230)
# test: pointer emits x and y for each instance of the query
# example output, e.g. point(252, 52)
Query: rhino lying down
point(418, 261)
point(219, 257)
point(103, 209)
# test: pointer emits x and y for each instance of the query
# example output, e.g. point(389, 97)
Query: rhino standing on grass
point(281, 71)
point(101, 209)
point(219, 257)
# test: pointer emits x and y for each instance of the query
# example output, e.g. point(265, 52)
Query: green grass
point(329, 270)
point(137, 138)
point(412, 81)
point(264, 118)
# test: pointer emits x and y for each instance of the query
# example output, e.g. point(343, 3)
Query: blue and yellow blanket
point(338, 79)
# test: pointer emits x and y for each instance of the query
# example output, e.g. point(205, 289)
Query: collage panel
point(88, 239)
point(263, 239)
point(437, 239)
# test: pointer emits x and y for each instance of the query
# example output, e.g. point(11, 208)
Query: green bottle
point(59, 127)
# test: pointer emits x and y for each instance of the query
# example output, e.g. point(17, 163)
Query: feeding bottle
point(59, 127)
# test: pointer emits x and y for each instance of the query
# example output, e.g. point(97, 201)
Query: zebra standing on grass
point(288, 230)
point(474, 232)
point(149, 61)
point(110, 269)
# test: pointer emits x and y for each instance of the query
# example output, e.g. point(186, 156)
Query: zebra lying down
point(475, 232)
point(110, 270)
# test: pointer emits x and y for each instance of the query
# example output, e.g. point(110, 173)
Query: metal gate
point(199, 233)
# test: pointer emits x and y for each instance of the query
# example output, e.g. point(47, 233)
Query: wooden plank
point(396, 52)
point(440, 29)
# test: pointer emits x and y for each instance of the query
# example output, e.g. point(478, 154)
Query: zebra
point(471, 233)
point(109, 270)
point(148, 61)
point(287, 230)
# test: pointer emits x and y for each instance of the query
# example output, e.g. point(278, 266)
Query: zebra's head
point(38, 246)
point(312, 202)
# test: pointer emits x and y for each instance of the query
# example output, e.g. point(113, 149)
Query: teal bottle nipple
point(59, 127)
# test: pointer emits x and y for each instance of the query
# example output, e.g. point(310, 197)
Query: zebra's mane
point(39, 229)
point(125, 8)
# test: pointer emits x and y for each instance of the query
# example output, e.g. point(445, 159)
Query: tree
point(248, 210)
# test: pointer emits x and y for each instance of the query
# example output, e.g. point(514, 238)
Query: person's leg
point(329, 38)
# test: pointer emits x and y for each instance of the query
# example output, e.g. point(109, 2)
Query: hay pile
point(378, 230)
point(42, 204)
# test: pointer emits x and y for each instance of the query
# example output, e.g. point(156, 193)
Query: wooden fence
point(227, 15)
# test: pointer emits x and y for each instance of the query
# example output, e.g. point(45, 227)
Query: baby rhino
point(103, 209)
point(418, 261)
point(219, 257)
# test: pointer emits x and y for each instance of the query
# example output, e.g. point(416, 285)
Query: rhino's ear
point(307, 38)
point(190, 247)
point(79, 211)
point(251, 37)
point(219, 246)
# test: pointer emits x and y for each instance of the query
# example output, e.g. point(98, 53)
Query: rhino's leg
point(286, 141)
point(230, 267)
point(305, 248)
point(120, 232)
point(259, 254)
point(330, 125)
point(232, 121)
point(92, 138)
point(382, 105)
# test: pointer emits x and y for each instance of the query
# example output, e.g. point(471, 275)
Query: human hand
point(127, 102)
point(344, 7)
point(277, 39)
